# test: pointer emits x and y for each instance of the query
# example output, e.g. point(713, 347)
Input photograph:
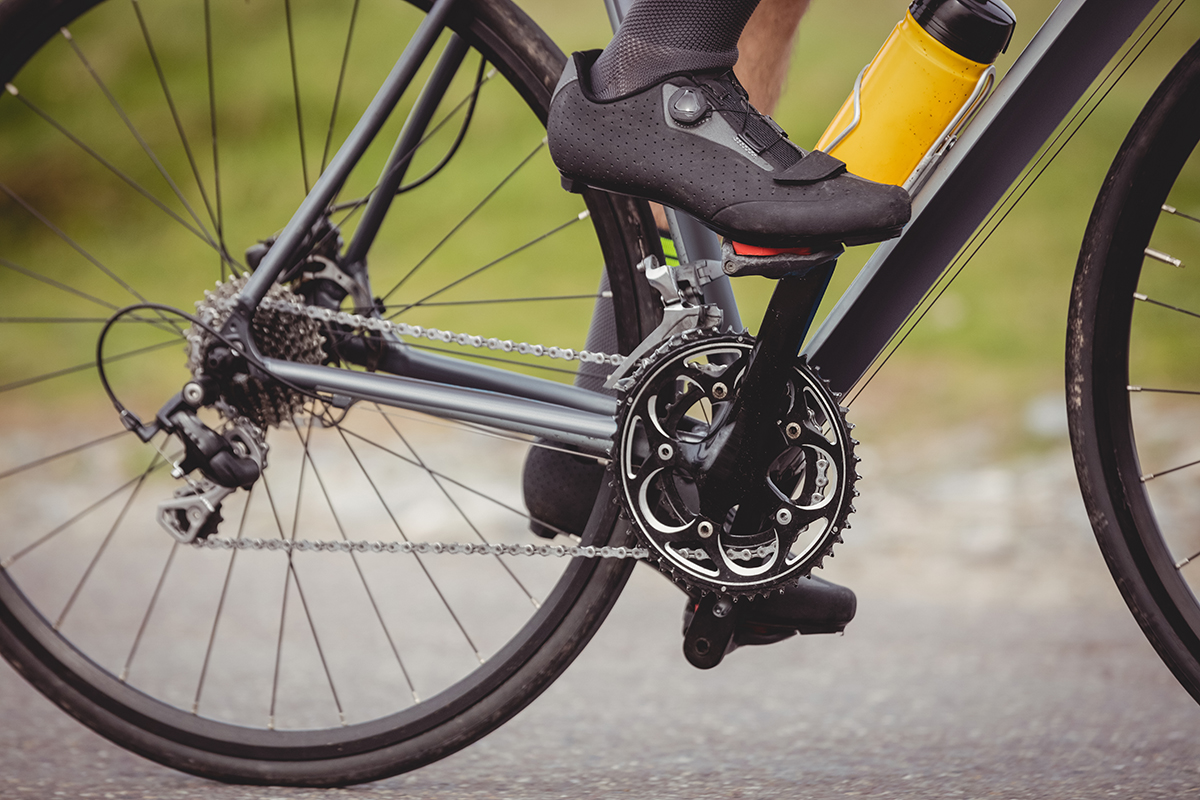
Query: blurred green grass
point(993, 342)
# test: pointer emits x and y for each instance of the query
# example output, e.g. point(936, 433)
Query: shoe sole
point(853, 239)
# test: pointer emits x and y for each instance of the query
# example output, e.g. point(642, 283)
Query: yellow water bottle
point(911, 101)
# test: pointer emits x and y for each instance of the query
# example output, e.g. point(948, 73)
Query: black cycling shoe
point(560, 490)
point(713, 627)
point(693, 141)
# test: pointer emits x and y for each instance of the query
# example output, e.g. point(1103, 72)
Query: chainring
point(679, 397)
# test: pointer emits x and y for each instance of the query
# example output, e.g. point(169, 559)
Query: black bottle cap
point(976, 29)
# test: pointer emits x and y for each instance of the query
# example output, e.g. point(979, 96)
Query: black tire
point(1133, 372)
point(141, 640)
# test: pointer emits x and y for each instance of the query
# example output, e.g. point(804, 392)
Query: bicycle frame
point(1069, 51)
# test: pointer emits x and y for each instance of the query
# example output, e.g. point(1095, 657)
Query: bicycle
point(405, 647)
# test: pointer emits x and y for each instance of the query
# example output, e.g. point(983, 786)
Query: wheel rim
point(232, 664)
point(1141, 377)
point(1157, 463)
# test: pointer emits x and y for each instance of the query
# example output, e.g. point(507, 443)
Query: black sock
point(661, 37)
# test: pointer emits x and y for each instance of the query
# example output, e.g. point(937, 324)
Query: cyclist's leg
point(765, 50)
point(558, 484)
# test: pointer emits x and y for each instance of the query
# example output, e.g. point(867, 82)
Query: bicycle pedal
point(769, 262)
point(708, 635)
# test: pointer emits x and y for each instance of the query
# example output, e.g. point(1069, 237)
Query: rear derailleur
point(224, 460)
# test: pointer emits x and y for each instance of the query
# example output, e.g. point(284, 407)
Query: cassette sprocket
point(680, 399)
point(279, 335)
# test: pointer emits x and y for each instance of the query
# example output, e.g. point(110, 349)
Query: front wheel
point(144, 149)
point(1133, 370)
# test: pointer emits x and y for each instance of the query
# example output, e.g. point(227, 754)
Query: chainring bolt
point(722, 608)
point(783, 516)
point(705, 529)
point(665, 452)
point(792, 430)
point(720, 391)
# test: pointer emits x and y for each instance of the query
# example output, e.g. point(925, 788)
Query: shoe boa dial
point(679, 397)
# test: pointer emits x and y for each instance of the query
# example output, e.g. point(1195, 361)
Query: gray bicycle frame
point(1072, 47)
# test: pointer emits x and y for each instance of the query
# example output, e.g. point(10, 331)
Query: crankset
point(709, 532)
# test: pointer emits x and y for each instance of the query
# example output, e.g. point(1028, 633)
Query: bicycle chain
point(455, 548)
point(450, 548)
point(386, 326)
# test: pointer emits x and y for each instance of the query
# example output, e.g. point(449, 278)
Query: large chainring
point(680, 397)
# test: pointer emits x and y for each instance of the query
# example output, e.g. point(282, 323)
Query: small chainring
point(680, 397)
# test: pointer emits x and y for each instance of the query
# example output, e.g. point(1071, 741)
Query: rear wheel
point(1133, 370)
point(143, 149)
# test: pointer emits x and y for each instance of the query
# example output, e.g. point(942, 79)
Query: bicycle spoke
point(459, 484)
point(1151, 476)
point(183, 138)
point(316, 640)
point(62, 453)
point(8, 387)
point(138, 483)
point(158, 165)
point(479, 430)
point(337, 94)
point(1143, 298)
point(287, 7)
point(15, 557)
point(358, 568)
point(90, 298)
point(420, 562)
point(458, 508)
point(212, 636)
point(463, 221)
point(56, 320)
point(212, 117)
point(295, 576)
point(1161, 391)
point(577, 218)
point(137, 187)
point(287, 581)
point(137, 640)
point(62, 286)
point(71, 242)
point(287, 585)
point(1170, 209)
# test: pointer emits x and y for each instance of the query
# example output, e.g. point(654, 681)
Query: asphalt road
point(991, 658)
